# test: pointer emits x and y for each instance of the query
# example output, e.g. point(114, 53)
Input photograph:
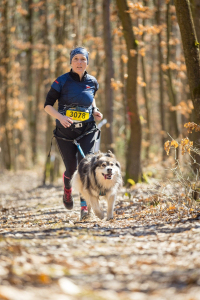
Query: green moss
point(136, 42)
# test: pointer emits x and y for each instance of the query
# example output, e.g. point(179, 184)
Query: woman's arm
point(96, 113)
point(64, 120)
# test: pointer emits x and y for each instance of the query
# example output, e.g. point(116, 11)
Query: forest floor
point(149, 251)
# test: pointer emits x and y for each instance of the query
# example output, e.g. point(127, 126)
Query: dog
point(98, 175)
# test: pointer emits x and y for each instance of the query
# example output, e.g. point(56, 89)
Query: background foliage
point(36, 38)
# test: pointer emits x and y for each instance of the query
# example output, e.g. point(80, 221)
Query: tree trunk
point(171, 90)
point(107, 136)
point(161, 85)
point(191, 51)
point(123, 91)
point(77, 20)
point(48, 75)
point(30, 79)
point(58, 38)
point(133, 166)
point(5, 84)
point(145, 94)
point(97, 61)
point(195, 5)
point(98, 65)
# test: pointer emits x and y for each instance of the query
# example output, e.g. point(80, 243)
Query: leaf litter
point(150, 250)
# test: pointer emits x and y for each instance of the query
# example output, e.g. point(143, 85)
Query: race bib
point(77, 115)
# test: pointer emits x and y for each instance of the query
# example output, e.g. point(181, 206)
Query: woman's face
point(79, 63)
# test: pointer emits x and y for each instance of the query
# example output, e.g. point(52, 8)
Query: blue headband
point(79, 50)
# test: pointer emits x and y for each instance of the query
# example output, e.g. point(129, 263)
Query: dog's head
point(105, 166)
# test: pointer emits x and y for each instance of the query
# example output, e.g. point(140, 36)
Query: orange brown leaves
point(186, 145)
point(124, 58)
point(174, 144)
point(169, 144)
point(137, 6)
point(192, 126)
point(21, 11)
point(116, 84)
point(185, 108)
point(117, 32)
point(142, 51)
point(167, 147)
point(147, 29)
point(140, 81)
point(173, 66)
point(133, 52)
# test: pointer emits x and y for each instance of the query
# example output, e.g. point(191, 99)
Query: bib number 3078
point(77, 115)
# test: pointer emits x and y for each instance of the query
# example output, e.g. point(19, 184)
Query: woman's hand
point(65, 121)
point(97, 115)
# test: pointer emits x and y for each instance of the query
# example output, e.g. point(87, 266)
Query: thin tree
point(191, 51)
point(144, 89)
point(161, 85)
point(107, 137)
point(195, 6)
point(31, 120)
point(171, 90)
point(6, 147)
point(133, 165)
point(49, 75)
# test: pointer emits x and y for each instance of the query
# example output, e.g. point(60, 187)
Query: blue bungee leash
point(78, 145)
point(79, 148)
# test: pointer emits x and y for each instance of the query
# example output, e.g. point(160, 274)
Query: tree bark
point(172, 93)
point(48, 169)
point(58, 38)
point(133, 165)
point(145, 94)
point(191, 51)
point(107, 136)
point(123, 92)
point(97, 62)
point(161, 85)
point(5, 91)
point(31, 120)
point(195, 6)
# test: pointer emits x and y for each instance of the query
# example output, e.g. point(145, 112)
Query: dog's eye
point(103, 165)
point(111, 165)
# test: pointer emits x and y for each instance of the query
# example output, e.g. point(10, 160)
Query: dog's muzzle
point(108, 175)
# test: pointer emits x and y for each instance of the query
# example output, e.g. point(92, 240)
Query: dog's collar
point(101, 193)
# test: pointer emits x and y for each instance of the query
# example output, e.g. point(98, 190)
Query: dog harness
point(75, 141)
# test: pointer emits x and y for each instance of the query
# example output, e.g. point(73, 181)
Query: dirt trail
point(47, 253)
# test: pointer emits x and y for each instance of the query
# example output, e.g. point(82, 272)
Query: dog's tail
point(76, 182)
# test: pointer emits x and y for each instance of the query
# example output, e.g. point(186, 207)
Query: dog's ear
point(96, 157)
point(110, 154)
point(118, 164)
point(99, 155)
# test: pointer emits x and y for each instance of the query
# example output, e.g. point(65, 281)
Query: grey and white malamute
point(98, 174)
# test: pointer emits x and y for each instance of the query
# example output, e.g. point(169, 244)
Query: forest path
point(47, 253)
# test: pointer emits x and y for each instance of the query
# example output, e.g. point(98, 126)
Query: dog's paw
point(109, 218)
point(100, 215)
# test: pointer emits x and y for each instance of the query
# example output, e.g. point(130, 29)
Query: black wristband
point(94, 108)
